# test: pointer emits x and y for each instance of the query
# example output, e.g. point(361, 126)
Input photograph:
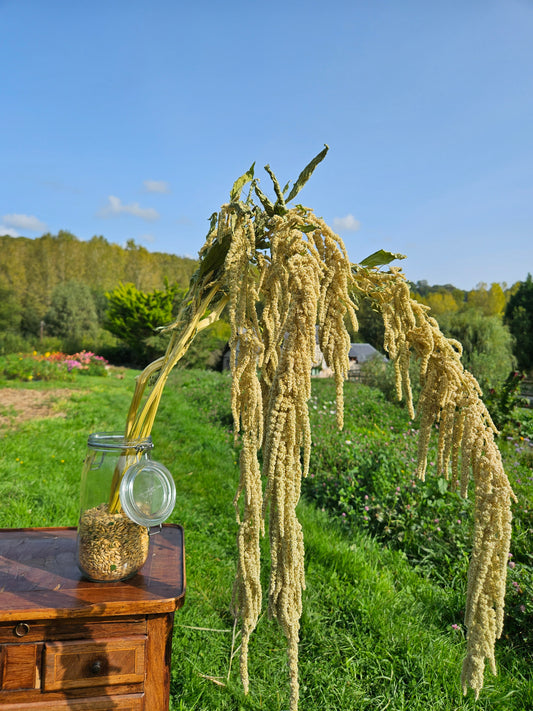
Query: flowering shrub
point(88, 363)
point(51, 366)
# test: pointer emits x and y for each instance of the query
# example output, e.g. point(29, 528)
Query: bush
point(504, 402)
point(379, 373)
point(27, 368)
point(87, 363)
point(519, 319)
point(72, 314)
point(487, 345)
point(518, 457)
point(11, 342)
point(134, 317)
point(51, 366)
point(363, 477)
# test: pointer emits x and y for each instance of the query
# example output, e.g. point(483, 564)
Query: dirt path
point(18, 405)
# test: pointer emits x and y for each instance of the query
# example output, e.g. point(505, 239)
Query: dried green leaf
point(380, 259)
point(213, 261)
point(306, 173)
point(269, 206)
point(280, 202)
point(241, 182)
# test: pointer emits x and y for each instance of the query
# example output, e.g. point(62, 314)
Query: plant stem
point(139, 423)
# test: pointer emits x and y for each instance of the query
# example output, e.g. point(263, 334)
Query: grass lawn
point(375, 633)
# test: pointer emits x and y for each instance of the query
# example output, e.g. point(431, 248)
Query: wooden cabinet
point(67, 643)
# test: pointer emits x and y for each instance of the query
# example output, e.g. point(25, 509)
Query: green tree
point(442, 299)
point(10, 310)
point(487, 345)
point(10, 320)
point(490, 301)
point(134, 316)
point(32, 268)
point(441, 303)
point(519, 319)
point(371, 328)
point(72, 315)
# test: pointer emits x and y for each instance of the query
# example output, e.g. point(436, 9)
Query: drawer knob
point(22, 629)
point(96, 667)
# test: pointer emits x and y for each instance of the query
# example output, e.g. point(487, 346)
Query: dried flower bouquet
point(284, 276)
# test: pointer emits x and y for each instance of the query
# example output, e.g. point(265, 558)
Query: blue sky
point(131, 119)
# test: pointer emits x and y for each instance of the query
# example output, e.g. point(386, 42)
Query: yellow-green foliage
point(32, 268)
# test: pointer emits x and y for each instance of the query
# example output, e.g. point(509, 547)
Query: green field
point(380, 630)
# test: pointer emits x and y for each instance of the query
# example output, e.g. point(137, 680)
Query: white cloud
point(156, 186)
point(24, 222)
point(346, 224)
point(9, 231)
point(115, 207)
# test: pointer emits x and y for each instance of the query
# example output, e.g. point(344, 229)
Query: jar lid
point(103, 441)
point(147, 493)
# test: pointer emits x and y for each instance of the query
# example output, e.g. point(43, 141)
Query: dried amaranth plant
point(451, 398)
point(286, 279)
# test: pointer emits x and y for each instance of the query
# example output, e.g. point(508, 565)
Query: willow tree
point(285, 276)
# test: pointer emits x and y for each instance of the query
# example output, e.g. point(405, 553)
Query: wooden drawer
point(67, 644)
point(130, 702)
point(41, 630)
point(19, 666)
point(71, 665)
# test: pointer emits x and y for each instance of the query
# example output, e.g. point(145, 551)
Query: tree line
point(53, 288)
point(30, 269)
point(493, 323)
point(60, 292)
point(493, 318)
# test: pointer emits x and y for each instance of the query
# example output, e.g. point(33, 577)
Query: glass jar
point(123, 494)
